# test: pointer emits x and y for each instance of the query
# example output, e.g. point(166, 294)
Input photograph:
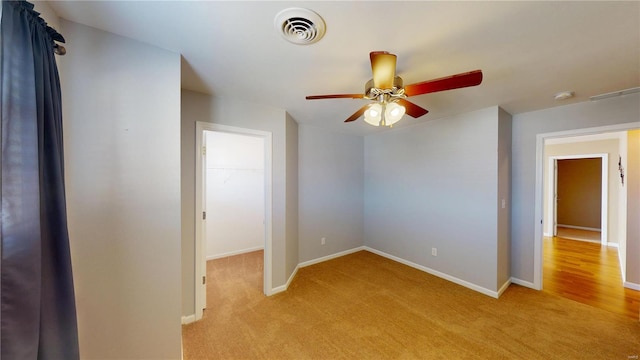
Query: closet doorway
point(234, 189)
point(234, 198)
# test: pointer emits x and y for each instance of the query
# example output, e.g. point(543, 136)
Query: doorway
point(233, 195)
point(577, 196)
point(539, 204)
point(578, 270)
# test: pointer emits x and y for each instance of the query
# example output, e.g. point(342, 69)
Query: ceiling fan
point(389, 95)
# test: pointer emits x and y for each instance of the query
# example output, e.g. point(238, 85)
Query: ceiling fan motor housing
point(371, 92)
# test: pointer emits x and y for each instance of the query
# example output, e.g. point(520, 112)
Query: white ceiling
point(528, 51)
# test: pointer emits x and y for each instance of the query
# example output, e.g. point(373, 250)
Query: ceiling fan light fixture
point(373, 114)
point(393, 113)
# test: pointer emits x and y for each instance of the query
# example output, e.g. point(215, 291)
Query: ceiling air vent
point(300, 26)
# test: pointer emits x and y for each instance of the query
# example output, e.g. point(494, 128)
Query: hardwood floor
point(588, 273)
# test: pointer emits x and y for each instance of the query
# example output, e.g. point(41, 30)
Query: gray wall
point(331, 192)
point(436, 185)
point(292, 195)
point(504, 195)
point(526, 126)
point(121, 101)
point(232, 112)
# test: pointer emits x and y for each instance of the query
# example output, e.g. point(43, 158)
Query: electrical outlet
point(323, 241)
point(434, 251)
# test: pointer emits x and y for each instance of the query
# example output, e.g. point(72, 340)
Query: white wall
point(625, 109)
point(121, 110)
point(234, 194)
point(611, 147)
point(331, 203)
point(436, 185)
point(233, 112)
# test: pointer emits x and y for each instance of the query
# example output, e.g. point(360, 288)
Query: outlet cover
point(434, 251)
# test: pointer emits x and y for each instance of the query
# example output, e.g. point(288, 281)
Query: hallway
point(588, 273)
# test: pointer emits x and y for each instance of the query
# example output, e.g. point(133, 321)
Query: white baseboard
point(623, 271)
point(579, 227)
point(615, 245)
point(281, 288)
point(232, 253)
point(480, 289)
point(439, 274)
point(523, 283)
point(332, 256)
point(188, 319)
point(504, 287)
point(632, 286)
point(583, 240)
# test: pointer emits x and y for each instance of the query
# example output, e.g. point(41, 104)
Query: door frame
point(552, 184)
point(538, 197)
point(200, 224)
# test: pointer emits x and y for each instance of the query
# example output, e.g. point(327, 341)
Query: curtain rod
point(54, 35)
point(59, 49)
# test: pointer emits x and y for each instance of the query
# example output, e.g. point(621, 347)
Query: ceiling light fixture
point(384, 113)
point(615, 93)
point(563, 95)
point(373, 115)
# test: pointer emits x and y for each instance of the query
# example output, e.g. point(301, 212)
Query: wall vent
point(300, 26)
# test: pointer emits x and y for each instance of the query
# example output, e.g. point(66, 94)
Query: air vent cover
point(300, 26)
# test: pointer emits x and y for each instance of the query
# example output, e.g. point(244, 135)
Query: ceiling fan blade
point(412, 109)
point(383, 66)
point(358, 113)
point(457, 81)
point(336, 96)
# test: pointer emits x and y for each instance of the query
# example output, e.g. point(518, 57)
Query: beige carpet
point(363, 306)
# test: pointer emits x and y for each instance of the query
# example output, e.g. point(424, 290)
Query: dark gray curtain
point(38, 316)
